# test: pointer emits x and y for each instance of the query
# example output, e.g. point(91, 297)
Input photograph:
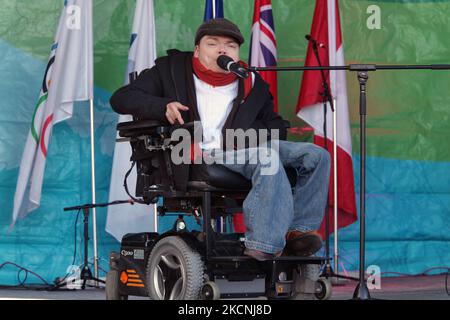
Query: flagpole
point(331, 7)
point(93, 184)
point(335, 188)
point(214, 8)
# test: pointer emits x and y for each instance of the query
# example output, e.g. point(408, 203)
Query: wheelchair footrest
point(289, 259)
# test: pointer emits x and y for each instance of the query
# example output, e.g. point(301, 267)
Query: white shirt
point(214, 105)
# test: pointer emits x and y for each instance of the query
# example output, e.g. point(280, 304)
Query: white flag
point(123, 219)
point(68, 78)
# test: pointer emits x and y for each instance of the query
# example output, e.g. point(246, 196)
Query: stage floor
point(395, 288)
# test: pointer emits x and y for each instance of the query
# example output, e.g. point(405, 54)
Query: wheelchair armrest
point(139, 124)
point(139, 127)
point(189, 126)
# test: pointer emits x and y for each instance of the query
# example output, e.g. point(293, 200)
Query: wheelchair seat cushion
point(218, 176)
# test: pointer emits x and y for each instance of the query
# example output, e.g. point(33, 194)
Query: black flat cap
point(219, 27)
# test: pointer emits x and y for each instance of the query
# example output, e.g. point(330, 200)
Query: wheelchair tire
point(175, 271)
point(210, 291)
point(324, 289)
point(112, 286)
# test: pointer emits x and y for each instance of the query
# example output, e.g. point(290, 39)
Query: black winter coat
point(171, 79)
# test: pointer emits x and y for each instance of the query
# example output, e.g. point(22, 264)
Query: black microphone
point(227, 63)
point(309, 38)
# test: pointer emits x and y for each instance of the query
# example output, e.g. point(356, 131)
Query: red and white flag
point(263, 45)
point(326, 30)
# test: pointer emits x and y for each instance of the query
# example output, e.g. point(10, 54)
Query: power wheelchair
point(207, 264)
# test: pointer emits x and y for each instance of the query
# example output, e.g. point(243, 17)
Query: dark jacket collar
point(242, 114)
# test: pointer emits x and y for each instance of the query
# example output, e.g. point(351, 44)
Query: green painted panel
point(408, 111)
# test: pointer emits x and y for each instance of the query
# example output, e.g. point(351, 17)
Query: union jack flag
point(263, 45)
point(209, 10)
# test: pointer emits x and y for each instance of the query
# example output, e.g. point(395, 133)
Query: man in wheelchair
point(280, 186)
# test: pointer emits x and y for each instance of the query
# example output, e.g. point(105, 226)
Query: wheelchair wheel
point(175, 271)
point(324, 289)
point(210, 291)
point(112, 286)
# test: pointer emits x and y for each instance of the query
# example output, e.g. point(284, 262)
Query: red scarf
point(218, 79)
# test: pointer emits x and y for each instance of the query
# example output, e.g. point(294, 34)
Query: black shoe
point(302, 244)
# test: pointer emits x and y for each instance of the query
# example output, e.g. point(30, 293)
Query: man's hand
point(173, 112)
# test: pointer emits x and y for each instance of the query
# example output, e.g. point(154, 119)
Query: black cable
point(98, 267)
point(75, 238)
point(21, 283)
point(75, 247)
point(47, 286)
point(125, 185)
point(423, 273)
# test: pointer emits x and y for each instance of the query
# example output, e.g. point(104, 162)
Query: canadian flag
point(326, 30)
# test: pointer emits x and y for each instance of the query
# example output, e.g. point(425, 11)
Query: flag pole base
point(361, 292)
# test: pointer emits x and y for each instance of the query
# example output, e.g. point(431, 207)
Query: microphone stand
point(361, 291)
point(86, 273)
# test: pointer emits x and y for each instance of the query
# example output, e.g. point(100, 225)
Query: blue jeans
point(273, 207)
